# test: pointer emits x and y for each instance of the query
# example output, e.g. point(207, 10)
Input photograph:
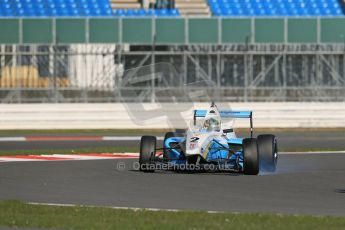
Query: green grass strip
point(18, 214)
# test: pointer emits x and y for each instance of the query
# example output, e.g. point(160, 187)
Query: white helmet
point(212, 124)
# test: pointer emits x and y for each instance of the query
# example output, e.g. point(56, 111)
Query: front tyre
point(268, 151)
point(251, 156)
point(147, 153)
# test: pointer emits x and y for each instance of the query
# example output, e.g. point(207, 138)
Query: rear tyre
point(147, 153)
point(268, 150)
point(251, 156)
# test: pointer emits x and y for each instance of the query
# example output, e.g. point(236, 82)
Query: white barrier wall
point(132, 116)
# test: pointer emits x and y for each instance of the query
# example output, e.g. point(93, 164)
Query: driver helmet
point(212, 124)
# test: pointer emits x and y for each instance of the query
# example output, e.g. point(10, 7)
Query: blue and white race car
point(211, 144)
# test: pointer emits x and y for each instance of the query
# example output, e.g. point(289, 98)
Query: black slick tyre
point(147, 153)
point(268, 151)
point(251, 156)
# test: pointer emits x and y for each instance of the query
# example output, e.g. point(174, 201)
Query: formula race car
point(211, 144)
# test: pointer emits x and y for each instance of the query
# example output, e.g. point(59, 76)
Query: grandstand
point(254, 50)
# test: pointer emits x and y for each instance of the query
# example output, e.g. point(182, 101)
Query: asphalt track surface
point(286, 140)
point(304, 184)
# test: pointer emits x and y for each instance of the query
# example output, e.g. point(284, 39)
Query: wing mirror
point(228, 130)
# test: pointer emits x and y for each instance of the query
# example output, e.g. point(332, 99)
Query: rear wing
point(228, 114)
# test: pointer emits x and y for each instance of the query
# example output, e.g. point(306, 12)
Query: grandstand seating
point(146, 12)
point(78, 8)
point(49, 8)
point(132, 8)
point(301, 8)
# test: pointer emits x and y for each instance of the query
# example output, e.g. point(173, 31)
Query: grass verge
point(23, 215)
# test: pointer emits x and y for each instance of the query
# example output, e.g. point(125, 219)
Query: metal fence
point(246, 72)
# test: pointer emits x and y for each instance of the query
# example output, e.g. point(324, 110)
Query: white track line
point(108, 138)
point(129, 138)
point(12, 139)
point(66, 157)
point(7, 159)
point(84, 157)
point(311, 153)
point(76, 157)
point(119, 208)
point(105, 138)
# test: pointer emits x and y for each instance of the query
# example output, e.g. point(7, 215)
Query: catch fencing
point(84, 60)
point(79, 73)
